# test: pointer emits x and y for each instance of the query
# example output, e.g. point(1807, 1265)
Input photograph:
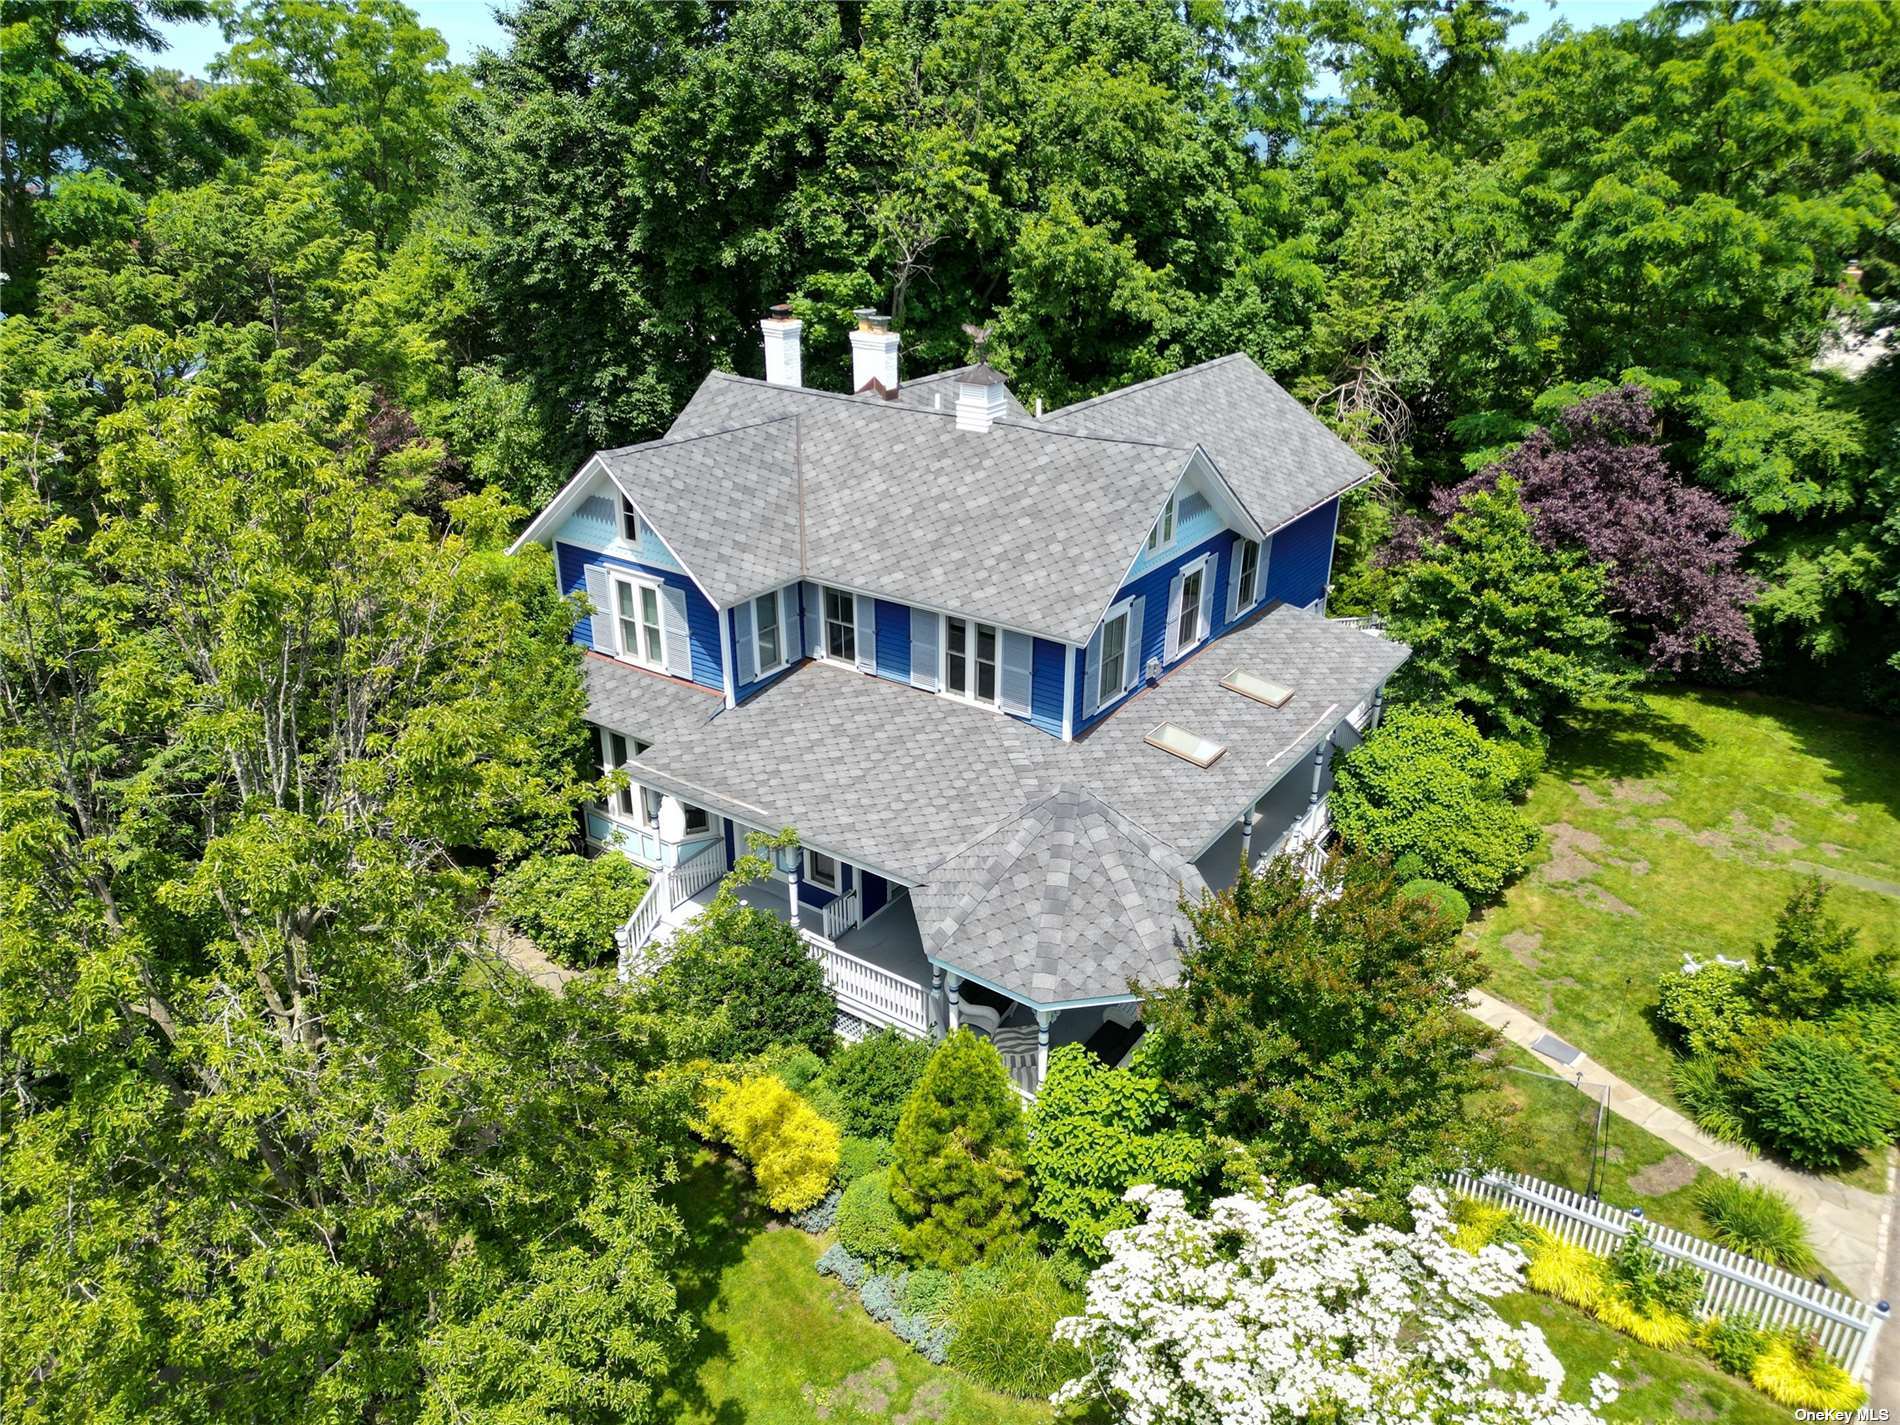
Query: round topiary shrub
point(1812, 1098)
point(570, 906)
point(866, 1223)
point(1447, 900)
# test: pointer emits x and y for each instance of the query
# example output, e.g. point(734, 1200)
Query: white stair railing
point(843, 914)
point(689, 878)
point(633, 936)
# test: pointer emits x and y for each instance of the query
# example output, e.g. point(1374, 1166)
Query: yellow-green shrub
point(1479, 1223)
point(1653, 1325)
point(1793, 1371)
point(1565, 1270)
point(793, 1152)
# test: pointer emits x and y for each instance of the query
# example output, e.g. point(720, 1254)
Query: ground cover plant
point(1681, 827)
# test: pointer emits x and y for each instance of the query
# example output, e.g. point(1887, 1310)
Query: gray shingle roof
point(1330, 665)
point(1279, 458)
point(726, 503)
point(649, 706)
point(938, 391)
point(1068, 902)
point(1023, 525)
point(1051, 868)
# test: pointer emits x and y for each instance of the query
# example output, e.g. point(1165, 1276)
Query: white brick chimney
point(979, 398)
point(873, 351)
point(784, 357)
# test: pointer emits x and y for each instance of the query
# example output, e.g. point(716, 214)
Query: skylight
point(1188, 746)
point(1250, 685)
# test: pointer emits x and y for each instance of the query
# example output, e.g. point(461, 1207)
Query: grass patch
point(780, 1345)
point(1681, 826)
point(1657, 1385)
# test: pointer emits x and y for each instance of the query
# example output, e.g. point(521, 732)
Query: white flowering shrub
point(1274, 1309)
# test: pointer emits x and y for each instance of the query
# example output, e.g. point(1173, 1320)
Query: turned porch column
point(936, 1002)
point(791, 893)
point(952, 984)
point(1044, 1018)
point(1322, 754)
point(1247, 819)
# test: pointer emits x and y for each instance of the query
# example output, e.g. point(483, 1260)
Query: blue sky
point(468, 25)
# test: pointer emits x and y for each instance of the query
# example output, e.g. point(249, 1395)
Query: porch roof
point(649, 706)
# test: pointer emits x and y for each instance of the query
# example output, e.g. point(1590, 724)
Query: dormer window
point(1162, 535)
point(629, 521)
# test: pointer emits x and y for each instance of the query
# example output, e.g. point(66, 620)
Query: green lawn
point(781, 1345)
point(1681, 826)
point(1656, 1384)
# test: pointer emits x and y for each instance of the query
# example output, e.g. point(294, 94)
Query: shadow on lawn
point(1856, 748)
point(720, 1218)
point(1635, 740)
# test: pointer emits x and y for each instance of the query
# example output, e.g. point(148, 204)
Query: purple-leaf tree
point(1599, 482)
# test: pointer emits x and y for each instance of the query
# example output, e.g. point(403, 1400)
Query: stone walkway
point(1845, 1224)
point(527, 958)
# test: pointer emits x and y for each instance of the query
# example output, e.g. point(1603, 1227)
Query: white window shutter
point(1171, 636)
point(1092, 675)
point(1018, 655)
point(1266, 563)
point(788, 630)
point(746, 653)
point(600, 595)
point(1207, 599)
point(679, 642)
point(923, 649)
point(814, 606)
point(867, 633)
point(1233, 578)
point(1131, 669)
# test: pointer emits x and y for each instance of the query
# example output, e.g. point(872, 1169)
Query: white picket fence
point(1846, 1326)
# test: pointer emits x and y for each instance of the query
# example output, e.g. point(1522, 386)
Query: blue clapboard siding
point(757, 685)
point(1302, 557)
point(1153, 587)
point(893, 641)
point(702, 620)
point(1045, 697)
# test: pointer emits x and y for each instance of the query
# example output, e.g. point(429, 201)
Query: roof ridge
point(640, 447)
point(1162, 379)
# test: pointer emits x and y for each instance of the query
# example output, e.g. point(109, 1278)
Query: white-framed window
point(1162, 535)
point(698, 823)
point(637, 622)
point(1112, 674)
point(1189, 631)
point(1247, 576)
point(629, 521)
point(841, 626)
point(970, 652)
point(616, 752)
point(821, 870)
point(768, 639)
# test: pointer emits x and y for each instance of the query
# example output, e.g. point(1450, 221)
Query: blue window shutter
point(600, 625)
point(923, 649)
point(1092, 670)
point(1135, 641)
point(1018, 678)
point(1233, 578)
point(679, 642)
point(1171, 632)
point(866, 614)
point(745, 651)
point(789, 630)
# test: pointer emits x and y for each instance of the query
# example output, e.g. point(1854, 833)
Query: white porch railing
point(633, 936)
point(845, 912)
point(1306, 840)
point(689, 878)
point(1846, 1327)
point(869, 992)
point(1373, 625)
